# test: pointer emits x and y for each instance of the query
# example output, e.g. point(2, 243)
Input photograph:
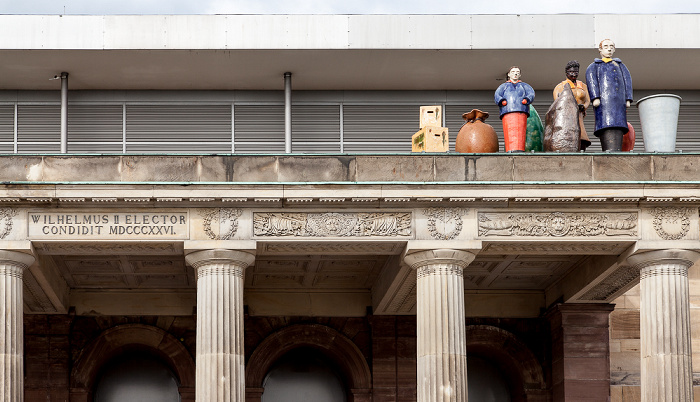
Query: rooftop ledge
point(290, 169)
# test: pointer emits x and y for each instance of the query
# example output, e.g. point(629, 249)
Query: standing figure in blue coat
point(513, 98)
point(610, 88)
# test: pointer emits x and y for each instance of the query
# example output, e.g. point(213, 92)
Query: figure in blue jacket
point(610, 88)
point(513, 98)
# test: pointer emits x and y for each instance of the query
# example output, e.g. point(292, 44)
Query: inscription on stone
point(107, 225)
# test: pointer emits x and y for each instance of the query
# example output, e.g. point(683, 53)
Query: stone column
point(220, 372)
point(667, 373)
point(441, 342)
point(12, 266)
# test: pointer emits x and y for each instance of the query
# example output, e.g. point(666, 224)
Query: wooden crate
point(431, 139)
point(430, 116)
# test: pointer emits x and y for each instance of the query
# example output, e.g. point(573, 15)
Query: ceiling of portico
point(296, 268)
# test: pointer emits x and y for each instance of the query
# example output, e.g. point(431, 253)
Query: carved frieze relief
point(445, 223)
point(558, 224)
point(6, 223)
point(332, 224)
point(671, 223)
point(220, 223)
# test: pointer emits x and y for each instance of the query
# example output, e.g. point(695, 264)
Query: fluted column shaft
point(12, 266)
point(220, 371)
point(441, 341)
point(667, 373)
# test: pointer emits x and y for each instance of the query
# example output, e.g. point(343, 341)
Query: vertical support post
point(64, 112)
point(220, 359)
point(441, 338)
point(667, 370)
point(288, 112)
point(12, 266)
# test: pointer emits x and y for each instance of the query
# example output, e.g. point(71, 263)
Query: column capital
point(16, 258)
point(439, 256)
point(238, 258)
point(665, 256)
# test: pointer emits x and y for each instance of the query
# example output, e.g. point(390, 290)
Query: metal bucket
point(659, 117)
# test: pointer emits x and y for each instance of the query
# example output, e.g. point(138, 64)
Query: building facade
point(176, 225)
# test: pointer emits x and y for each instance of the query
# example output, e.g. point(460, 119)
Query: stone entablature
point(655, 223)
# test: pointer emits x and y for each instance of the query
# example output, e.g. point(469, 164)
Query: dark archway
point(344, 354)
point(519, 366)
point(136, 376)
point(128, 338)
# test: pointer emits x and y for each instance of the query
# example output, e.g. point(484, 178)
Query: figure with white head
point(610, 89)
point(513, 98)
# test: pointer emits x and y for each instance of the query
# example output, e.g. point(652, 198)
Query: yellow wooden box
point(431, 139)
point(430, 116)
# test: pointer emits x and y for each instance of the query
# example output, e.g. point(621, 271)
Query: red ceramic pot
point(475, 136)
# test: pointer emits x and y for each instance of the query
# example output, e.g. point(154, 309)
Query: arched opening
point(303, 375)
point(125, 340)
point(509, 361)
point(486, 382)
point(337, 350)
point(136, 376)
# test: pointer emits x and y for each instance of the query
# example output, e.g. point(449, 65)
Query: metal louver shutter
point(178, 123)
point(94, 148)
point(29, 148)
point(95, 123)
point(315, 128)
point(259, 128)
point(688, 138)
point(37, 123)
point(379, 128)
point(7, 123)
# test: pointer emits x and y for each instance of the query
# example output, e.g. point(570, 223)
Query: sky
point(347, 7)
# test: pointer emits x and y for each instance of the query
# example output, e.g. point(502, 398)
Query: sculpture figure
point(562, 132)
point(513, 98)
point(610, 88)
point(580, 91)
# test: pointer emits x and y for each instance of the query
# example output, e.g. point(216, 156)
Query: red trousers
point(514, 131)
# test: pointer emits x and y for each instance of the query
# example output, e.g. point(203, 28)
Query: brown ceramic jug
point(475, 136)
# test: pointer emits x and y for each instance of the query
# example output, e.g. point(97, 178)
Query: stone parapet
point(349, 168)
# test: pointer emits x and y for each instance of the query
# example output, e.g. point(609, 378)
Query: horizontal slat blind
point(259, 128)
point(7, 123)
point(28, 148)
point(39, 123)
point(178, 123)
point(95, 123)
point(379, 128)
point(93, 148)
point(315, 128)
point(179, 147)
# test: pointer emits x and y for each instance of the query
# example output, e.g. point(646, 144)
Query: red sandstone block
point(383, 347)
point(587, 390)
point(383, 325)
point(406, 326)
point(384, 395)
point(584, 320)
point(36, 395)
point(585, 368)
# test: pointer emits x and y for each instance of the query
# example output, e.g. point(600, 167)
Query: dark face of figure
point(572, 73)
